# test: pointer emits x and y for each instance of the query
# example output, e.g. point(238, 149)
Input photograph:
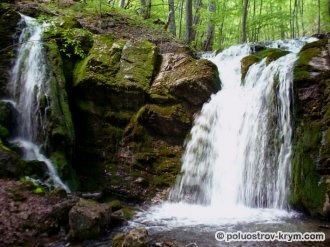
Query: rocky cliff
point(120, 106)
point(311, 159)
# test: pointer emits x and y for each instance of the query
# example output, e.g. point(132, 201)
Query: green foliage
point(71, 45)
point(266, 19)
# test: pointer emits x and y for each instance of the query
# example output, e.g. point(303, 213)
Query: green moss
point(102, 63)
point(39, 191)
point(128, 212)
point(4, 132)
point(316, 44)
point(79, 72)
point(246, 62)
point(308, 190)
point(137, 65)
point(116, 205)
point(306, 56)
point(275, 55)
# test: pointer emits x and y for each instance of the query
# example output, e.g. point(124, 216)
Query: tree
point(145, 8)
point(121, 3)
point(196, 18)
point(244, 20)
point(188, 37)
point(171, 17)
point(209, 39)
point(319, 16)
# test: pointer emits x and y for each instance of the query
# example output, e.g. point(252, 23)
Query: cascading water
point(27, 85)
point(236, 165)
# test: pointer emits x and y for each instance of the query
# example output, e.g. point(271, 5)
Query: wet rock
point(137, 237)
point(88, 219)
point(311, 166)
point(171, 243)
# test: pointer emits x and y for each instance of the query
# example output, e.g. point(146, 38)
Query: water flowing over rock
point(234, 155)
point(28, 89)
point(243, 156)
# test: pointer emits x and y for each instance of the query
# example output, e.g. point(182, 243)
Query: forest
point(216, 24)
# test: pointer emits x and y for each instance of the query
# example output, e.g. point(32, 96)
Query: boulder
point(88, 219)
point(171, 120)
point(185, 78)
point(137, 237)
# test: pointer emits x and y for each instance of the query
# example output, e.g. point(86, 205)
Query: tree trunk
point(319, 16)
point(122, 3)
point(188, 37)
point(171, 17)
point(145, 8)
point(181, 17)
point(209, 39)
point(244, 20)
point(196, 18)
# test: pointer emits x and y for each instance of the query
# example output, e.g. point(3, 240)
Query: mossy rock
point(303, 67)
point(66, 22)
point(311, 155)
point(316, 44)
point(137, 64)
point(183, 78)
point(246, 63)
point(271, 54)
point(60, 130)
point(171, 121)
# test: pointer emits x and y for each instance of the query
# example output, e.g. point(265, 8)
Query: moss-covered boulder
point(88, 219)
point(270, 54)
point(246, 63)
point(137, 237)
point(311, 155)
point(119, 72)
point(181, 77)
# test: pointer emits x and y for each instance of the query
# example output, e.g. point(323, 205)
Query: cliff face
point(120, 107)
point(130, 116)
point(311, 160)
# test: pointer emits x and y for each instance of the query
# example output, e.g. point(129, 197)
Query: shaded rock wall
point(311, 159)
point(132, 109)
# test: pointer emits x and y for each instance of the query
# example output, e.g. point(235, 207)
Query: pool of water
point(194, 225)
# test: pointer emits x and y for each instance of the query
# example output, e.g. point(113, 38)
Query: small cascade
point(28, 84)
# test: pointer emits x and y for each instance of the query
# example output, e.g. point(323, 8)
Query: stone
point(137, 237)
point(183, 77)
point(88, 219)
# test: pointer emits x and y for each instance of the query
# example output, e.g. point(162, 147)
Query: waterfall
point(28, 85)
point(236, 168)
point(239, 151)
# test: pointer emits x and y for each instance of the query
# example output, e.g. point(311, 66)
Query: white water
point(28, 83)
point(236, 165)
